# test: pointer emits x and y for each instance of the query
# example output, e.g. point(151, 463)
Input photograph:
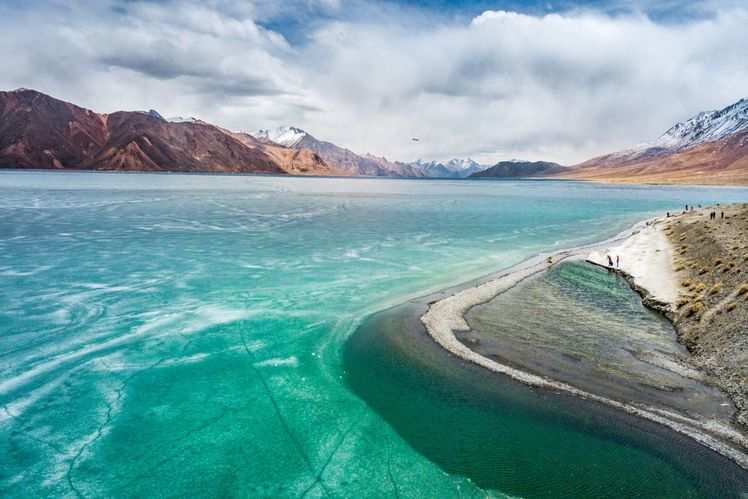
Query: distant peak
point(454, 164)
point(288, 136)
point(706, 126)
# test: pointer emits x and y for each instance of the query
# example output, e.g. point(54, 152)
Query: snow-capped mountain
point(288, 136)
point(710, 148)
point(454, 168)
point(365, 164)
point(706, 127)
point(463, 164)
point(345, 160)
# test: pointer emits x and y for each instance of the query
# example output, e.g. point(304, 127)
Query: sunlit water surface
point(165, 335)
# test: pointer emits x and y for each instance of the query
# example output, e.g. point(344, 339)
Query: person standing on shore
point(618, 261)
point(610, 262)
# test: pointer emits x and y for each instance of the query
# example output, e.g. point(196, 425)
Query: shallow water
point(182, 334)
point(582, 325)
point(512, 438)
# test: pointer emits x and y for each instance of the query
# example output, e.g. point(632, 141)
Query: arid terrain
point(711, 316)
point(709, 148)
point(39, 131)
point(722, 162)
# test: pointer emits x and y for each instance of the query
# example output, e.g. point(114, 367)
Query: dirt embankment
point(711, 313)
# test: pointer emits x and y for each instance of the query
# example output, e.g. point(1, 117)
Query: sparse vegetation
point(711, 314)
point(695, 309)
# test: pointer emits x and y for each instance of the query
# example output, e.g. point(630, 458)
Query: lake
point(165, 335)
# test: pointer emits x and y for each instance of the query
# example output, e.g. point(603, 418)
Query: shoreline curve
point(447, 315)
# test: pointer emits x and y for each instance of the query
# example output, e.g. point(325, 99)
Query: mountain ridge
point(520, 169)
point(347, 161)
point(711, 147)
point(454, 168)
point(39, 131)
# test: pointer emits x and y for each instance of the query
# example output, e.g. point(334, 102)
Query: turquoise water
point(183, 335)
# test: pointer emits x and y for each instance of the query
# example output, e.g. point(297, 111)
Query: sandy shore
point(646, 259)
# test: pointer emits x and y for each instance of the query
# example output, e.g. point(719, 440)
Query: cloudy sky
point(555, 80)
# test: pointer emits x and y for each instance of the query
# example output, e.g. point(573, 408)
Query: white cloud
point(561, 86)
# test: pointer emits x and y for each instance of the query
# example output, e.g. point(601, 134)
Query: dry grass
point(683, 301)
point(695, 309)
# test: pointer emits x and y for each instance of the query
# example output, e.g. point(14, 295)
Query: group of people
point(618, 261)
point(712, 214)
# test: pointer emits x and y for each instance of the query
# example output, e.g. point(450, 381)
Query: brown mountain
point(345, 160)
point(709, 148)
point(38, 131)
point(720, 162)
point(519, 169)
point(42, 132)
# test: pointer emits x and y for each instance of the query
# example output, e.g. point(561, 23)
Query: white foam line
point(446, 316)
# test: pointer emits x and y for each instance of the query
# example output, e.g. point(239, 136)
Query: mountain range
point(39, 131)
point(709, 148)
point(345, 160)
point(454, 168)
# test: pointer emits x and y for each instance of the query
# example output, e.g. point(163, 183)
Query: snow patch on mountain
point(454, 168)
point(185, 119)
point(458, 165)
point(706, 127)
point(288, 136)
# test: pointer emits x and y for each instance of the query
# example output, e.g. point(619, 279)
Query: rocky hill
point(39, 131)
point(709, 148)
point(520, 169)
